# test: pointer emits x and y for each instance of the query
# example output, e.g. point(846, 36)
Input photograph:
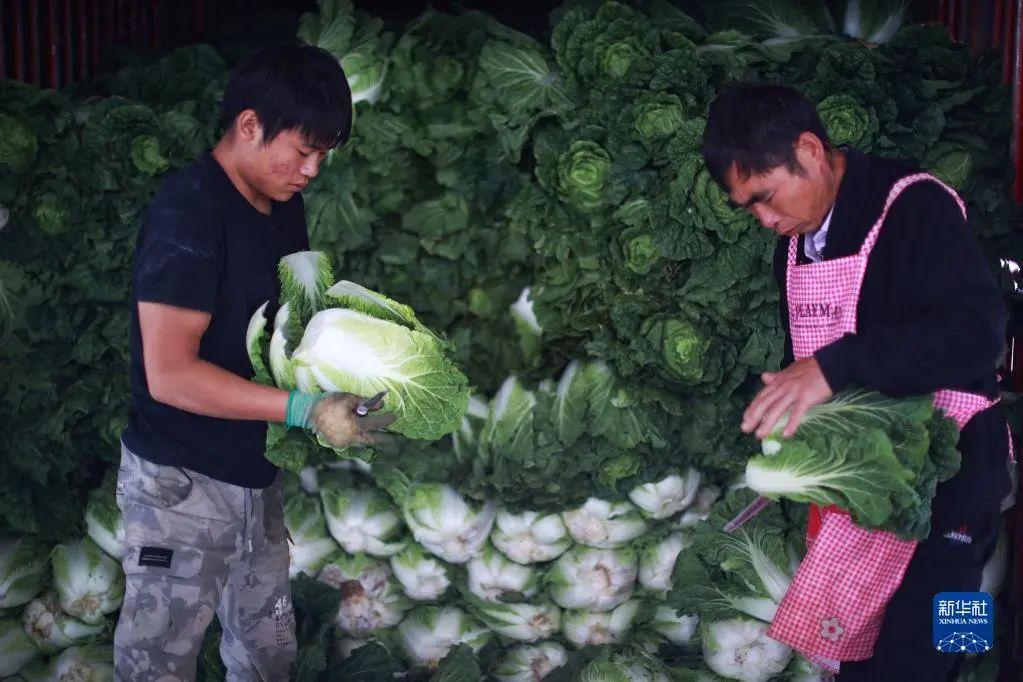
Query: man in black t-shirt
point(203, 514)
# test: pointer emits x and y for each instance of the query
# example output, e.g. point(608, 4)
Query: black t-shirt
point(203, 246)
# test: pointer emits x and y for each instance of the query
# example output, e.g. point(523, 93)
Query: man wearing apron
point(883, 286)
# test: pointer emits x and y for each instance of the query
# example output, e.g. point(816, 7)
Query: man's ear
point(810, 151)
point(248, 127)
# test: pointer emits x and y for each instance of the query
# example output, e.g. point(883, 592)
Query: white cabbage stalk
point(492, 576)
point(90, 584)
point(478, 409)
point(524, 316)
point(103, 521)
point(521, 622)
point(305, 276)
point(281, 366)
point(740, 649)
point(657, 562)
point(446, 524)
point(85, 664)
point(750, 546)
point(51, 629)
point(310, 545)
point(422, 576)
point(365, 70)
point(430, 632)
point(530, 537)
point(16, 647)
point(586, 628)
point(464, 441)
point(362, 520)
point(668, 496)
point(309, 478)
point(675, 627)
point(604, 525)
point(699, 511)
point(370, 600)
point(530, 662)
point(593, 579)
point(23, 570)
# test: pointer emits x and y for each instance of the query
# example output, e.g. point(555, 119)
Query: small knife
point(751, 510)
point(366, 406)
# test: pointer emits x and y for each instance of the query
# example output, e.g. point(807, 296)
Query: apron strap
point(897, 189)
point(793, 246)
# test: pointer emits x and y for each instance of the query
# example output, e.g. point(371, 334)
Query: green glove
point(300, 408)
point(332, 417)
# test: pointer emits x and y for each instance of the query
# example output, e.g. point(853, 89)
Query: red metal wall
point(52, 43)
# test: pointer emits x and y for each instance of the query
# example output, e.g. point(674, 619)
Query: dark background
point(53, 43)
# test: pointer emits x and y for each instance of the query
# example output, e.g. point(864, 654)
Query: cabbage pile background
point(483, 162)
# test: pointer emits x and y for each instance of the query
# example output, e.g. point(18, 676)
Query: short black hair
point(755, 127)
point(292, 87)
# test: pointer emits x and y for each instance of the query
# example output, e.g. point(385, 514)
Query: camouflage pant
point(197, 546)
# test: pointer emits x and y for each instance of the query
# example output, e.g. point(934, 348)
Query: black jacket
point(930, 313)
point(930, 316)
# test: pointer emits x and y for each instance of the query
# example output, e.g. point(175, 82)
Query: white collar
point(813, 243)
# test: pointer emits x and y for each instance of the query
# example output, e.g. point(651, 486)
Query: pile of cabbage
point(59, 603)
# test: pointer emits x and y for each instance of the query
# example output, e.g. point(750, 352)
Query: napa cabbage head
point(24, 569)
point(658, 117)
point(429, 633)
point(445, 523)
point(603, 524)
point(848, 121)
point(90, 583)
point(493, 577)
point(18, 144)
point(530, 662)
point(362, 519)
point(52, 629)
point(16, 648)
point(147, 156)
point(521, 622)
point(422, 576)
point(582, 174)
point(530, 537)
point(667, 497)
point(310, 544)
point(370, 598)
point(103, 520)
point(740, 649)
point(590, 628)
point(593, 579)
point(350, 351)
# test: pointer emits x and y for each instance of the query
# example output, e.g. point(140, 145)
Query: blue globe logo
point(963, 642)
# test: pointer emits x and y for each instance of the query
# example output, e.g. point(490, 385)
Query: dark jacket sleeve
point(954, 334)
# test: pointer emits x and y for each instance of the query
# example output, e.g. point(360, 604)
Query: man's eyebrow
point(755, 198)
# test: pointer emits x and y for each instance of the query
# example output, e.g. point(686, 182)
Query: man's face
point(786, 202)
point(285, 166)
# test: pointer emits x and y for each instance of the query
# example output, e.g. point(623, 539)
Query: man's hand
point(333, 418)
point(795, 389)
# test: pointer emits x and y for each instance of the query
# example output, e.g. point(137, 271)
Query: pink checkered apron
point(833, 610)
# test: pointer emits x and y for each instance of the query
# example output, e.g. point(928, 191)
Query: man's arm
point(179, 378)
